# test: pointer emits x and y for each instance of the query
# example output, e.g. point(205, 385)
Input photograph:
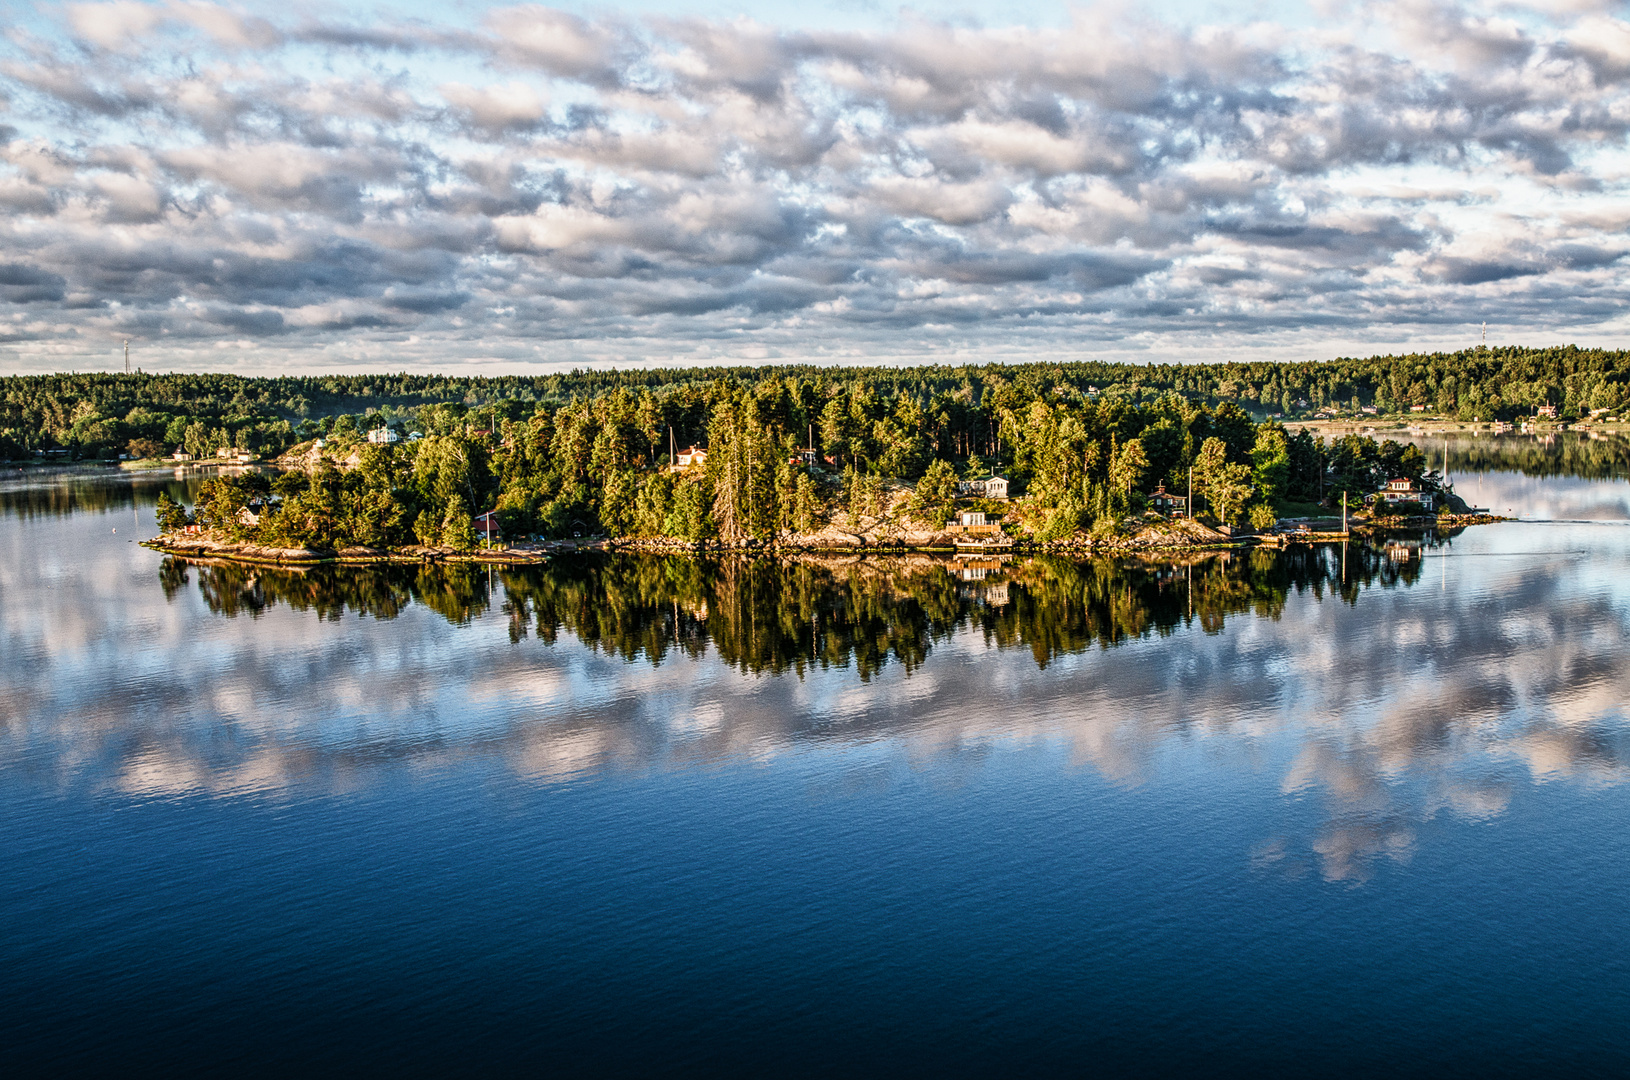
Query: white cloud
point(497, 107)
point(626, 190)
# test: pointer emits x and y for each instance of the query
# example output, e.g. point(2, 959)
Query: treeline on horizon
point(100, 415)
point(773, 616)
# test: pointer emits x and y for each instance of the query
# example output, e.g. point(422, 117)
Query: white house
point(1406, 490)
point(694, 456)
point(383, 435)
point(993, 488)
point(974, 523)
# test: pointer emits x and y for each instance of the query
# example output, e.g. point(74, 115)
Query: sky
point(482, 187)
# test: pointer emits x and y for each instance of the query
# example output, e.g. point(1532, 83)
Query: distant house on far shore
point(486, 525)
point(383, 436)
point(694, 456)
point(180, 455)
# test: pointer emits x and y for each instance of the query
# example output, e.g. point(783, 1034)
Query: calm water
point(1331, 810)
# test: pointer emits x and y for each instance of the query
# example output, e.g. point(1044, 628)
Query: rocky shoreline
point(1175, 538)
point(204, 547)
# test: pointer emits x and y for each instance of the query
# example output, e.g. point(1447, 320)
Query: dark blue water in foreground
point(1317, 831)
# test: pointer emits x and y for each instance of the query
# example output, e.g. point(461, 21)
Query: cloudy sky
point(300, 186)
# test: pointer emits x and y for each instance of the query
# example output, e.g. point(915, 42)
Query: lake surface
point(1332, 809)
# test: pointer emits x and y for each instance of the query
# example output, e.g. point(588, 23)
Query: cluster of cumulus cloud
point(537, 185)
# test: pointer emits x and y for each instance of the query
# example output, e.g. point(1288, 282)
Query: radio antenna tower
point(127, 356)
point(1485, 335)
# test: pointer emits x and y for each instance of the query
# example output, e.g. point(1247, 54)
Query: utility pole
point(1344, 515)
point(672, 450)
point(1190, 504)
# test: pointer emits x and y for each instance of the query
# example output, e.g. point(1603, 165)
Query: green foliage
point(864, 494)
point(1270, 464)
point(1065, 519)
point(936, 494)
point(1224, 485)
point(172, 516)
point(807, 505)
point(690, 520)
point(1262, 517)
point(1127, 469)
point(457, 527)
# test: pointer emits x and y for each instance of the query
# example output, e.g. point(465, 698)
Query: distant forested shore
point(435, 461)
point(103, 415)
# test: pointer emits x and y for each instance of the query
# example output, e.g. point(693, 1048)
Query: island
point(1036, 457)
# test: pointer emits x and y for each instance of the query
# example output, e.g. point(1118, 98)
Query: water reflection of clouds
point(1549, 498)
point(1413, 702)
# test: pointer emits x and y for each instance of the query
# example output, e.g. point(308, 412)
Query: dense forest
point(596, 466)
point(105, 415)
point(788, 447)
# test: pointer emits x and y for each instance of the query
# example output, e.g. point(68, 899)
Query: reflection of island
point(1384, 738)
point(774, 616)
point(1378, 717)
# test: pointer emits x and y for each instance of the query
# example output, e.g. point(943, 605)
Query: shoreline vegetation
point(200, 549)
point(1039, 457)
point(226, 527)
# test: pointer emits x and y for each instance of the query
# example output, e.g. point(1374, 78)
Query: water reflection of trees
point(1574, 454)
point(776, 616)
point(234, 589)
point(99, 491)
